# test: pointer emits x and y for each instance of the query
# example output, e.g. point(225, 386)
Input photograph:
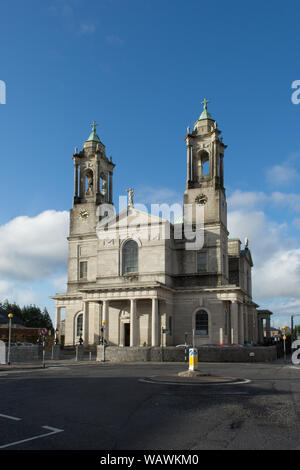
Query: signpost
point(44, 332)
point(284, 344)
point(185, 347)
point(104, 340)
point(164, 331)
point(10, 316)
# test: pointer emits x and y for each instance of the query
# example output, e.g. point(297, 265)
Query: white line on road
point(10, 417)
point(53, 431)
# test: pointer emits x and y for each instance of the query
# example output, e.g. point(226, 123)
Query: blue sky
point(141, 69)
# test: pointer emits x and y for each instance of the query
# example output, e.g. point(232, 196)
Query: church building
point(133, 278)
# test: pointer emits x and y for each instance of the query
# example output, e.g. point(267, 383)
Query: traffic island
point(183, 378)
point(193, 375)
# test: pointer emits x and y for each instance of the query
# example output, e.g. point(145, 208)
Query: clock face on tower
point(201, 199)
point(83, 214)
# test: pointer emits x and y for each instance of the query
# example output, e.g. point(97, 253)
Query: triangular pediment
point(131, 217)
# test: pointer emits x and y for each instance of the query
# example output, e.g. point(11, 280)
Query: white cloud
point(250, 199)
point(282, 175)
point(246, 199)
point(114, 40)
point(285, 173)
point(289, 200)
point(296, 223)
point(33, 258)
point(33, 247)
point(276, 255)
point(60, 283)
point(279, 276)
point(87, 28)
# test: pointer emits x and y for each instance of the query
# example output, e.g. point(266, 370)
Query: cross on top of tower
point(93, 137)
point(205, 103)
point(205, 114)
point(94, 125)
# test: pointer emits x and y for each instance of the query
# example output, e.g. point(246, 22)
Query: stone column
point(98, 177)
point(86, 323)
point(246, 323)
point(221, 171)
point(155, 338)
point(221, 336)
point(260, 330)
point(132, 322)
point(235, 322)
point(214, 160)
point(75, 180)
point(254, 325)
point(110, 187)
point(268, 327)
point(189, 162)
point(241, 324)
point(58, 321)
point(105, 317)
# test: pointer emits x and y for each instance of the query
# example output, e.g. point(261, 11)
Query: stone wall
point(23, 354)
point(173, 354)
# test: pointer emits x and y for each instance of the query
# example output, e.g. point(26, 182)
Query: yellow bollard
point(193, 355)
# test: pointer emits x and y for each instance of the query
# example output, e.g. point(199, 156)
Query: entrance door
point(126, 334)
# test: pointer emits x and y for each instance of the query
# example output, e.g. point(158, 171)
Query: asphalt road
point(88, 406)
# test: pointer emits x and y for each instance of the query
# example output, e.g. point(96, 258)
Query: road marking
point(53, 431)
point(10, 417)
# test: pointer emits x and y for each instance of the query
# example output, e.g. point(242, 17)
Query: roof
point(264, 312)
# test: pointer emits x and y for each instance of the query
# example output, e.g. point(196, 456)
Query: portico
point(130, 318)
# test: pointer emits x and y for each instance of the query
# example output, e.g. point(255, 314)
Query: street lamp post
point(10, 316)
point(104, 339)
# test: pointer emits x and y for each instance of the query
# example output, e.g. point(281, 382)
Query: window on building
point(202, 323)
point(205, 168)
point(201, 261)
point(79, 325)
point(83, 270)
point(130, 257)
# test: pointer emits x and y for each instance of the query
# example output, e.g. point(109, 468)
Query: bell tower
point(205, 169)
point(93, 183)
point(205, 188)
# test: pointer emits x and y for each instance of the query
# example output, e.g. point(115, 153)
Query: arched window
point(130, 257)
point(89, 182)
point(202, 323)
point(201, 165)
point(79, 325)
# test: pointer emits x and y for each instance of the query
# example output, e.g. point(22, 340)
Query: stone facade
point(137, 277)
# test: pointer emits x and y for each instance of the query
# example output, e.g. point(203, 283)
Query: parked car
point(184, 345)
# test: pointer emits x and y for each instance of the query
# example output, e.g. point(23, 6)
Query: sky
point(141, 70)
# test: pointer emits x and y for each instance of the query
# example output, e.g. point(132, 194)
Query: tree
point(31, 315)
